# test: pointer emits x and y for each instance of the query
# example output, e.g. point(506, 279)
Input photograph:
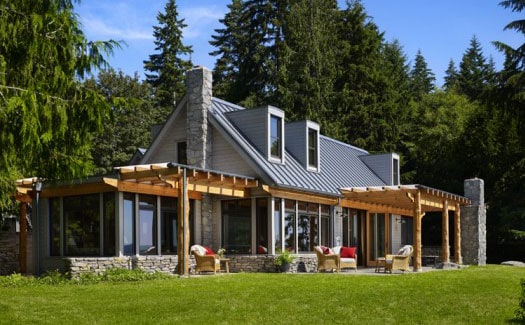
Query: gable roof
point(340, 163)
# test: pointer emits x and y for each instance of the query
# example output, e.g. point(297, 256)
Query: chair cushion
point(209, 251)
point(199, 249)
point(337, 250)
point(348, 252)
point(347, 260)
point(405, 250)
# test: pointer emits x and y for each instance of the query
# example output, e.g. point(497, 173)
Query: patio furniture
point(326, 262)
point(347, 257)
point(380, 264)
point(205, 260)
point(401, 261)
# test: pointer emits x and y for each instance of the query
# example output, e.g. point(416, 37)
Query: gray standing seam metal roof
point(340, 165)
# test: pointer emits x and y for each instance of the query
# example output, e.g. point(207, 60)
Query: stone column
point(474, 224)
point(199, 92)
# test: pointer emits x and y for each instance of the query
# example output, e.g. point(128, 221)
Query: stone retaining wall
point(168, 264)
point(8, 252)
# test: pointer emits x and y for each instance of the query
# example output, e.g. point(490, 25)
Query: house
point(245, 180)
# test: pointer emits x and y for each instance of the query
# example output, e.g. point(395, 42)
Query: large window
point(109, 224)
point(168, 221)
point(275, 137)
point(129, 224)
point(262, 226)
point(147, 225)
point(307, 226)
point(312, 148)
point(277, 224)
point(182, 156)
point(54, 227)
point(82, 225)
point(236, 226)
point(289, 225)
point(326, 230)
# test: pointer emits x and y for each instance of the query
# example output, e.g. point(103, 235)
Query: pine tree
point(47, 116)
point(451, 77)
point(473, 71)
point(421, 77)
point(308, 63)
point(168, 67)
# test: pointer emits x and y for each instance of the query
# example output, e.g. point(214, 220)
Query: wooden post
point(457, 235)
point(417, 232)
point(445, 249)
point(183, 240)
point(22, 248)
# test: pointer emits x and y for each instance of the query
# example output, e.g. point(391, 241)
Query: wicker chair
point(205, 263)
point(401, 261)
point(329, 262)
point(345, 262)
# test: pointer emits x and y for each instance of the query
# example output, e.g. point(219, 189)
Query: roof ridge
point(344, 144)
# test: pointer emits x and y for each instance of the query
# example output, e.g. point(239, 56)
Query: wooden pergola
point(414, 201)
point(164, 179)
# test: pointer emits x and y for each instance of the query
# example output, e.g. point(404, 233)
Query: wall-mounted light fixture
point(400, 220)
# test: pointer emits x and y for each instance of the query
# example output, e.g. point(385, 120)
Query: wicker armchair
point(205, 263)
point(346, 262)
point(401, 261)
point(328, 262)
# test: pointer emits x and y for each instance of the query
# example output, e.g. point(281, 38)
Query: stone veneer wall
point(8, 252)
point(168, 264)
point(474, 224)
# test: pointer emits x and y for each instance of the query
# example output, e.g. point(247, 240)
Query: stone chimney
point(199, 92)
point(474, 224)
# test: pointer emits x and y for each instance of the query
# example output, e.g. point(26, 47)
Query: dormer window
point(276, 136)
point(313, 154)
point(395, 171)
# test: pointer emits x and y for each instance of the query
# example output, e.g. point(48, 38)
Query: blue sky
point(441, 29)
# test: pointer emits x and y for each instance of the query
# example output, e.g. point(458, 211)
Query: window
point(277, 224)
point(182, 157)
point(262, 226)
point(108, 218)
point(129, 224)
point(54, 227)
point(312, 148)
point(275, 137)
point(169, 234)
point(82, 225)
point(147, 225)
point(307, 226)
point(325, 225)
point(289, 225)
point(236, 226)
point(395, 172)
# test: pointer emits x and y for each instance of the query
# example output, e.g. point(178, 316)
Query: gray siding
point(252, 124)
point(225, 158)
point(296, 141)
point(381, 164)
point(166, 145)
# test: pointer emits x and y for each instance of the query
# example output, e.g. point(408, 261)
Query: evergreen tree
point(128, 126)
point(308, 63)
point(421, 77)
point(46, 114)
point(451, 77)
point(473, 71)
point(168, 67)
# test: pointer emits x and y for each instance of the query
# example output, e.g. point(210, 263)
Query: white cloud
point(200, 20)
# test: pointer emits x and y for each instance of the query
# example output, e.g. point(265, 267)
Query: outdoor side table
point(226, 264)
point(380, 264)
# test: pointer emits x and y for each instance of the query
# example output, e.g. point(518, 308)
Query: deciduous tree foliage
point(47, 116)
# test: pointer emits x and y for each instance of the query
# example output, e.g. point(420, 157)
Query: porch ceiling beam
point(300, 196)
point(376, 207)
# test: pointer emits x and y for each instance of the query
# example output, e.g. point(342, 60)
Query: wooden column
point(457, 235)
point(22, 248)
point(183, 240)
point(417, 232)
point(445, 250)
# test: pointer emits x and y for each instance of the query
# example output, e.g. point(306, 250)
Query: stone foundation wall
point(8, 252)
point(168, 264)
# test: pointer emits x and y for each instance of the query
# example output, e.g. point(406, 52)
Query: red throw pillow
point(348, 252)
point(326, 250)
point(209, 251)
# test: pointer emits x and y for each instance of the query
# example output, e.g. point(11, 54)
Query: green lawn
point(487, 295)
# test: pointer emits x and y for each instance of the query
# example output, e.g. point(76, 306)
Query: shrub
point(16, 280)
point(53, 278)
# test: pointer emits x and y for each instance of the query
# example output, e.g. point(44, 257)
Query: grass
point(483, 295)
